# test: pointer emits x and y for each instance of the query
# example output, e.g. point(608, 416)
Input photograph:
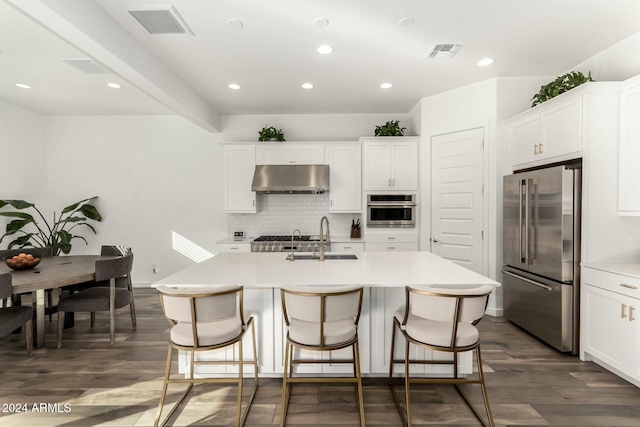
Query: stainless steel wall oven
point(391, 210)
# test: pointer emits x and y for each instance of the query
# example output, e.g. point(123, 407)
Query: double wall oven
point(391, 210)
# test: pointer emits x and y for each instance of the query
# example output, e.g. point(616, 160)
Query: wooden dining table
point(51, 273)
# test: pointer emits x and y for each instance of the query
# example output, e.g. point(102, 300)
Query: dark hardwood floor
point(529, 384)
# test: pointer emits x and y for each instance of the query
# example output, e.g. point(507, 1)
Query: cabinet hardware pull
point(391, 238)
point(389, 182)
point(393, 182)
point(540, 148)
point(623, 307)
point(631, 318)
point(331, 202)
point(624, 285)
point(347, 247)
point(535, 149)
point(292, 161)
point(233, 248)
point(391, 247)
point(254, 203)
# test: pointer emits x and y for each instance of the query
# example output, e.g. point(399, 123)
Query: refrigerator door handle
point(527, 220)
point(521, 239)
point(540, 285)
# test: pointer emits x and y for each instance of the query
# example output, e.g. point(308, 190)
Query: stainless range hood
point(291, 179)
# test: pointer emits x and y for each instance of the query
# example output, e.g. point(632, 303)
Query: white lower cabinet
point(381, 241)
point(234, 247)
point(609, 322)
point(347, 247)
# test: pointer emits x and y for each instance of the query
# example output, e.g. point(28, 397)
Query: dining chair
point(321, 319)
point(11, 318)
point(443, 320)
point(37, 253)
point(101, 298)
point(205, 319)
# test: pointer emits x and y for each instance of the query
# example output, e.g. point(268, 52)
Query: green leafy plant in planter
point(560, 85)
point(271, 134)
point(391, 128)
point(56, 234)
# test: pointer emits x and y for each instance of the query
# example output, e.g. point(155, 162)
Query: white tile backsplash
point(280, 214)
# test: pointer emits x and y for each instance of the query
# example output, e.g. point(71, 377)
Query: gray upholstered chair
point(207, 319)
point(441, 320)
point(11, 318)
point(101, 298)
point(321, 319)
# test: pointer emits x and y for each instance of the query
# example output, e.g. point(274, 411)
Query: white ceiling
point(275, 52)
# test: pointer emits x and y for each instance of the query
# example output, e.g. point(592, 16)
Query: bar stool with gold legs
point(441, 320)
point(321, 319)
point(207, 319)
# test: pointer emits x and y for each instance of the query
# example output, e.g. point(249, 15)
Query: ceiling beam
point(86, 26)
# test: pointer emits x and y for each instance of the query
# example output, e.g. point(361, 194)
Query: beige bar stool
point(207, 319)
point(442, 320)
point(321, 319)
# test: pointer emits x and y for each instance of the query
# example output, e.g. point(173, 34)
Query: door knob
point(434, 240)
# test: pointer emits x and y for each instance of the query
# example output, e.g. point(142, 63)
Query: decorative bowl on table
point(22, 261)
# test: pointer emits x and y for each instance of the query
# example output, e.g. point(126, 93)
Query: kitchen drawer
point(234, 247)
point(390, 246)
point(614, 282)
point(390, 237)
point(347, 247)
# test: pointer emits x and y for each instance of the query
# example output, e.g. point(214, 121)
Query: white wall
point(620, 62)
point(154, 175)
point(23, 147)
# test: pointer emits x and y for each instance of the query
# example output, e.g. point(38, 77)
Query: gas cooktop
point(282, 238)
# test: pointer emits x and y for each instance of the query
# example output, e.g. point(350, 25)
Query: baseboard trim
point(495, 312)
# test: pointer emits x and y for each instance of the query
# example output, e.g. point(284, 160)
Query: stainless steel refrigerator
point(541, 253)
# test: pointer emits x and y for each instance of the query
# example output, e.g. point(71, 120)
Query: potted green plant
point(271, 134)
point(391, 128)
point(560, 85)
point(56, 234)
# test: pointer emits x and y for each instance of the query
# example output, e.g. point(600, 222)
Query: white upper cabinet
point(629, 182)
point(239, 166)
point(390, 163)
point(551, 131)
point(345, 169)
point(284, 153)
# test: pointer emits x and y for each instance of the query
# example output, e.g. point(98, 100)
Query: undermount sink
point(326, 256)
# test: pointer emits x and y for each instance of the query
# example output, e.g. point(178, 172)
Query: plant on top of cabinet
point(391, 128)
point(560, 85)
point(271, 134)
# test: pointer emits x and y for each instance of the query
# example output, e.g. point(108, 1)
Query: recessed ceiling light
point(386, 85)
point(23, 86)
point(307, 86)
point(406, 21)
point(325, 49)
point(486, 61)
point(236, 24)
point(114, 85)
point(234, 86)
point(320, 22)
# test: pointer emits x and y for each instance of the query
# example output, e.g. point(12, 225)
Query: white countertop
point(374, 269)
point(626, 269)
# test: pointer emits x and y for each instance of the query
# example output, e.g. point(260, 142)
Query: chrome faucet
point(320, 255)
point(291, 256)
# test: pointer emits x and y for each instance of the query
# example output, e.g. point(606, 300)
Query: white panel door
point(457, 198)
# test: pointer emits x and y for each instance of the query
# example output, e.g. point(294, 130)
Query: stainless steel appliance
point(290, 179)
point(283, 244)
point(391, 210)
point(541, 253)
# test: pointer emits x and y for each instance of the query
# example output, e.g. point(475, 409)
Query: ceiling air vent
point(87, 66)
point(160, 20)
point(445, 50)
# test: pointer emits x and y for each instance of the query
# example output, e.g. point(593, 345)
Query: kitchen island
point(383, 274)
